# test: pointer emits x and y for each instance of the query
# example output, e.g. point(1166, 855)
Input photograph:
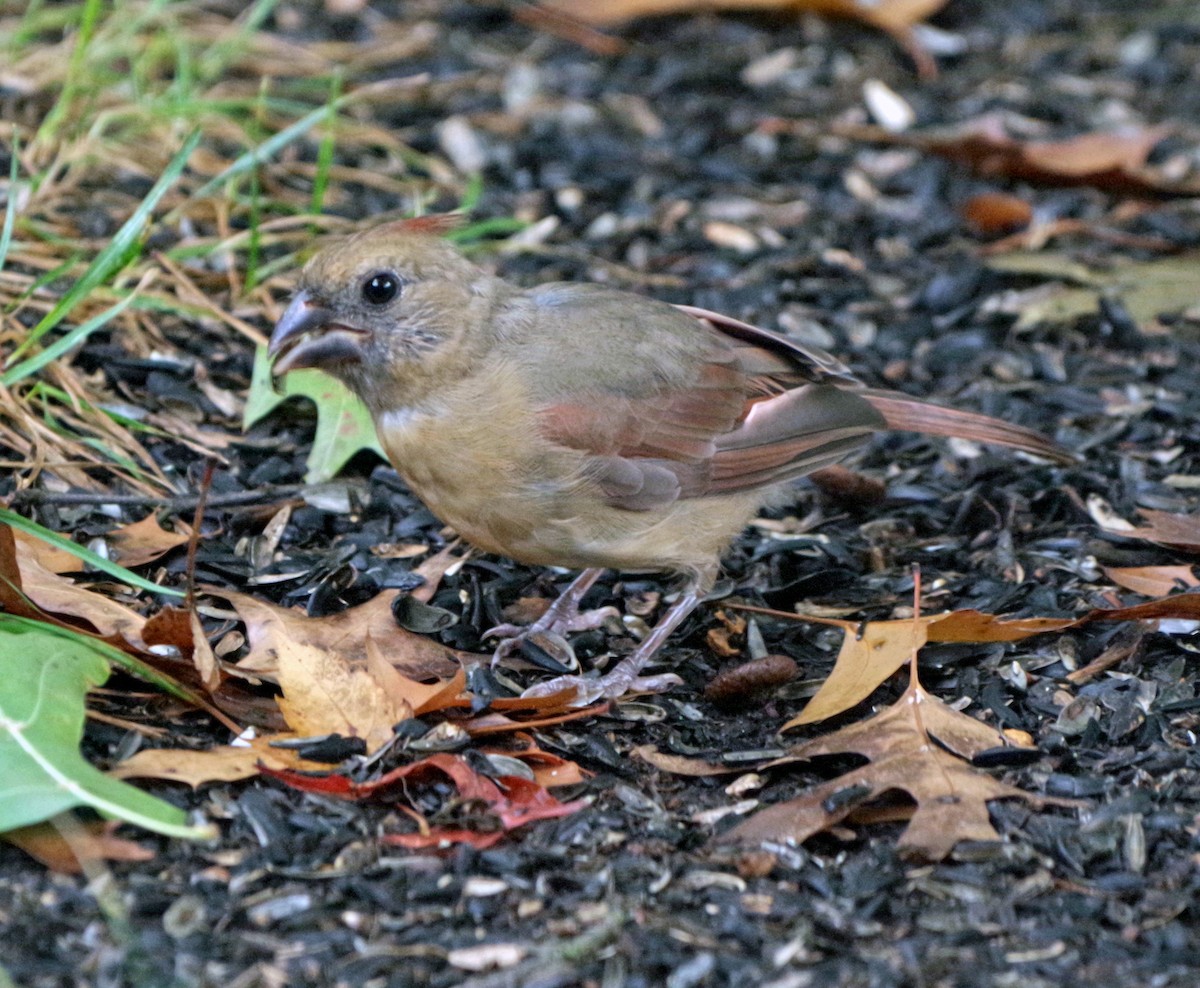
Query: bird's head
point(384, 310)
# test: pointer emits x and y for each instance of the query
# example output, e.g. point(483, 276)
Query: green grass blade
point(254, 157)
point(84, 554)
point(10, 209)
point(114, 256)
point(327, 146)
point(60, 346)
point(74, 83)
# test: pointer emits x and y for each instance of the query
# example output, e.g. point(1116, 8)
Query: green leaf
point(1149, 289)
point(122, 660)
point(344, 425)
point(95, 560)
point(44, 679)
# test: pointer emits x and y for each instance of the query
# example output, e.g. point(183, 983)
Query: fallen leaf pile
point(348, 683)
point(347, 680)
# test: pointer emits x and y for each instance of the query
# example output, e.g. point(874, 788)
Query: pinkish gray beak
point(307, 336)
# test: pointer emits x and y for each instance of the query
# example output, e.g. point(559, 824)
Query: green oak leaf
point(44, 678)
point(344, 425)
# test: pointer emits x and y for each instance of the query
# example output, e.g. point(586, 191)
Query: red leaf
point(513, 801)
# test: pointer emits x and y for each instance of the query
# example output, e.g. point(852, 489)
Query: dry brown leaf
point(1112, 160)
point(887, 15)
point(1153, 581)
point(181, 629)
point(1176, 531)
point(325, 692)
point(202, 655)
point(227, 763)
point(434, 568)
point(951, 795)
point(85, 844)
point(144, 541)
point(872, 652)
point(270, 628)
point(51, 557)
point(59, 596)
point(895, 17)
point(681, 764)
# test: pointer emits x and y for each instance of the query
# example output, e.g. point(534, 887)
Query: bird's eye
point(380, 288)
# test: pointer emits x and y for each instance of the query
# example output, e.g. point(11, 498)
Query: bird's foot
point(514, 635)
point(620, 681)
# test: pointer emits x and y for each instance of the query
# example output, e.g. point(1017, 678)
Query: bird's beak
point(308, 336)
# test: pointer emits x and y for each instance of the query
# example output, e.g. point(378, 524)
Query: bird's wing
point(721, 414)
point(761, 351)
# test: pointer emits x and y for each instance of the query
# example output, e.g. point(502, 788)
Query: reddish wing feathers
point(762, 409)
point(739, 425)
point(677, 425)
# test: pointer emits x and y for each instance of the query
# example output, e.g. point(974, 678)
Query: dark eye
point(380, 288)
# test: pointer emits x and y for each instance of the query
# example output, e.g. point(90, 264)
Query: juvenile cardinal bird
point(580, 426)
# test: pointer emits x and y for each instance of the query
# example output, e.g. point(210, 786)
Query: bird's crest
point(433, 225)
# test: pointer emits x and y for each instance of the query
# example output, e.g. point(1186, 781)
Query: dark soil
point(858, 249)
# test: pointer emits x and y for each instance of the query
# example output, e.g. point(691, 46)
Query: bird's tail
point(913, 415)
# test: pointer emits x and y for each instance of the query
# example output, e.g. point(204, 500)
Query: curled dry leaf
point(1162, 527)
point(509, 801)
point(1153, 581)
point(51, 557)
point(69, 852)
point(1115, 161)
point(895, 17)
point(435, 567)
point(59, 596)
point(887, 15)
point(226, 763)
point(145, 541)
point(182, 631)
point(682, 764)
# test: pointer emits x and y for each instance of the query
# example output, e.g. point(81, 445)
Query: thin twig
point(179, 504)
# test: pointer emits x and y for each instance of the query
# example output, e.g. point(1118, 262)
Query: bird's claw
point(589, 689)
point(514, 636)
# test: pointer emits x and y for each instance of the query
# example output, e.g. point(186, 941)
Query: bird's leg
point(625, 676)
point(561, 617)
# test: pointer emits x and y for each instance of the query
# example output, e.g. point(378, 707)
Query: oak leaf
point(270, 628)
point(872, 652)
point(917, 746)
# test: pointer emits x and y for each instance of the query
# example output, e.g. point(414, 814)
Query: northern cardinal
point(580, 426)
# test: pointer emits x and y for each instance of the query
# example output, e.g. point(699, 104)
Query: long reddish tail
point(913, 415)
